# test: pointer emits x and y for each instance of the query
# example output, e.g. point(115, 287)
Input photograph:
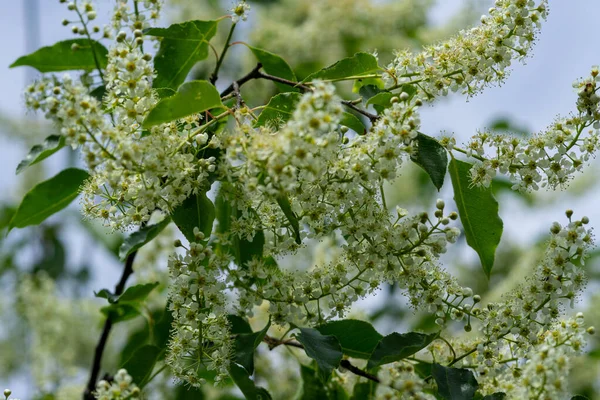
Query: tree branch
point(91, 385)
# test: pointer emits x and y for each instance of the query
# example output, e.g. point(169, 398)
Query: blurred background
point(49, 319)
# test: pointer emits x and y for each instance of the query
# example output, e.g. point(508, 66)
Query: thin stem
point(357, 371)
point(254, 74)
point(91, 385)
point(215, 74)
point(87, 33)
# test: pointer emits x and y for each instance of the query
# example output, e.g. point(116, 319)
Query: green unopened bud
point(569, 213)
point(75, 47)
point(7, 393)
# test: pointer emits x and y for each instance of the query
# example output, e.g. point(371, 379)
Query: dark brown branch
point(254, 74)
point(372, 117)
point(91, 385)
point(273, 342)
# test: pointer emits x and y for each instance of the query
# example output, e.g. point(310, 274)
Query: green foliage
point(245, 345)
point(454, 383)
point(139, 238)
point(48, 197)
point(133, 294)
point(191, 98)
point(61, 56)
point(432, 157)
point(242, 379)
point(324, 349)
point(357, 338)
point(181, 47)
point(358, 65)
point(39, 152)
point(478, 211)
point(286, 208)
point(141, 364)
point(120, 312)
point(276, 66)
point(312, 387)
point(196, 211)
point(353, 122)
point(278, 111)
point(496, 396)
point(397, 346)
point(364, 391)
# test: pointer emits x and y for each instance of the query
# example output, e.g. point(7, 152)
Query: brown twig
point(357, 371)
point(91, 385)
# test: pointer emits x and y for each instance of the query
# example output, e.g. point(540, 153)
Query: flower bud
point(404, 96)
point(440, 204)
point(591, 330)
point(7, 393)
point(569, 213)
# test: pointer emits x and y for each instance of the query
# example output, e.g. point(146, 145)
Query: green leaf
point(454, 383)
point(141, 364)
point(139, 238)
point(358, 65)
point(238, 324)
point(195, 211)
point(185, 392)
point(312, 387)
point(500, 396)
point(245, 344)
point(579, 397)
point(337, 392)
point(364, 391)
point(369, 91)
point(325, 350)
point(353, 122)
point(191, 98)
point(286, 207)
point(61, 57)
point(242, 379)
point(478, 211)
point(133, 294)
point(278, 111)
point(120, 312)
point(383, 99)
point(432, 157)
point(99, 93)
point(181, 47)
point(357, 338)
point(48, 197)
point(39, 152)
point(276, 66)
point(397, 346)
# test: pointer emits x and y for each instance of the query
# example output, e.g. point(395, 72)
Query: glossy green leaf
point(139, 238)
point(181, 47)
point(238, 324)
point(397, 346)
point(324, 349)
point(39, 152)
point(191, 98)
point(353, 122)
point(195, 211)
point(278, 111)
point(133, 294)
point(61, 57)
point(245, 345)
point(454, 383)
point(358, 65)
point(357, 338)
point(141, 364)
point(364, 391)
point(291, 216)
point(242, 379)
point(312, 388)
point(48, 197)
point(432, 157)
point(120, 312)
point(478, 211)
point(274, 65)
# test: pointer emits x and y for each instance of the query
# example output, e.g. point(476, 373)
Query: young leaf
point(478, 211)
point(383, 99)
point(245, 344)
point(120, 312)
point(238, 324)
point(312, 387)
point(278, 111)
point(286, 207)
point(191, 98)
point(133, 294)
point(139, 238)
point(276, 66)
point(432, 157)
point(353, 122)
point(358, 65)
point(357, 338)
point(141, 364)
point(39, 152)
point(242, 379)
point(325, 350)
point(454, 383)
point(397, 346)
point(61, 56)
point(181, 47)
point(48, 197)
point(195, 211)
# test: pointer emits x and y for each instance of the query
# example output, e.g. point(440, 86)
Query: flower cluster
point(400, 381)
point(201, 340)
point(475, 58)
point(120, 388)
point(240, 12)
